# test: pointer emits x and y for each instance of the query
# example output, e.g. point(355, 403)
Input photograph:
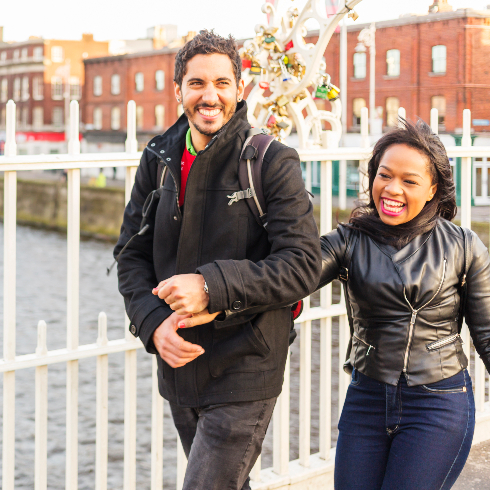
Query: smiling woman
point(410, 186)
point(410, 276)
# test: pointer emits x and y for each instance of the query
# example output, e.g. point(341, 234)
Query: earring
point(239, 99)
point(178, 100)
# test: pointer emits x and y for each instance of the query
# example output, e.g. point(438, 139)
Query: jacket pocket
point(438, 344)
point(240, 349)
point(370, 347)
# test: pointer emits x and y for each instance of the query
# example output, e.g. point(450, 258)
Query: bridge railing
point(284, 472)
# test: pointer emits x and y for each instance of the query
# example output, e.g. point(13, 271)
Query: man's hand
point(173, 349)
point(184, 293)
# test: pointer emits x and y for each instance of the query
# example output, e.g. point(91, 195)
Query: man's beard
point(201, 128)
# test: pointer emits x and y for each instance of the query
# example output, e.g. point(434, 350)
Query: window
point(159, 116)
point(56, 88)
point(38, 88)
point(3, 118)
point(16, 89)
point(97, 85)
point(37, 117)
point(3, 56)
point(439, 102)
point(97, 118)
point(115, 118)
point(139, 80)
point(115, 84)
point(25, 116)
point(439, 59)
point(392, 106)
point(159, 79)
point(38, 53)
point(139, 117)
point(25, 88)
point(4, 90)
point(16, 55)
point(57, 54)
point(75, 88)
point(24, 54)
point(58, 117)
point(359, 65)
point(357, 105)
point(393, 62)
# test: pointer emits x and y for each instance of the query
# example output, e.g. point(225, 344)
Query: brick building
point(440, 60)
point(41, 76)
point(112, 81)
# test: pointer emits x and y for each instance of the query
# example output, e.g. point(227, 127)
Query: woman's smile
point(392, 207)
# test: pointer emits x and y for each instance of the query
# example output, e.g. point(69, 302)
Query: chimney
point(440, 6)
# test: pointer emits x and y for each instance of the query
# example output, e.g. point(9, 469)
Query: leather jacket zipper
point(442, 342)
point(414, 317)
point(369, 346)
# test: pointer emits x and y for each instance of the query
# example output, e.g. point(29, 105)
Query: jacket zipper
point(414, 317)
point(365, 343)
point(442, 342)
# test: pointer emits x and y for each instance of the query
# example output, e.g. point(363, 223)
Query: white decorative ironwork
point(285, 67)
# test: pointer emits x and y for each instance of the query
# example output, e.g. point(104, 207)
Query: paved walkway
point(476, 473)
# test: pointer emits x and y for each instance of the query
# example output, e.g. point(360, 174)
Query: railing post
point(156, 431)
point(402, 114)
point(9, 304)
point(363, 164)
point(131, 141)
point(102, 409)
point(434, 120)
point(281, 425)
point(130, 357)
point(181, 465)
point(41, 402)
point(73, 290)
point(74, 139)
point(325, 323)
point(466, 203)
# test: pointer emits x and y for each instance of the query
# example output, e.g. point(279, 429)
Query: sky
point(68, 19)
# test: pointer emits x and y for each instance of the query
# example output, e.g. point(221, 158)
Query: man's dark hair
point(207, 42)
point(443, 205)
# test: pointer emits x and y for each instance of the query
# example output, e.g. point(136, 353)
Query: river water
point(41, 295)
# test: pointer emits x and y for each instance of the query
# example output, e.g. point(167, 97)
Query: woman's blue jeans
point(404, 437)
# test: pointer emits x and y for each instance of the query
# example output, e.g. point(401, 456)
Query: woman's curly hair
point(207, 42)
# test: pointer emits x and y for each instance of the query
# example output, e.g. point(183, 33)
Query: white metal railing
point(283, 471)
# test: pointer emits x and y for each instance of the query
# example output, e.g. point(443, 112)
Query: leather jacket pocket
point(440, 343)
point(240, 349)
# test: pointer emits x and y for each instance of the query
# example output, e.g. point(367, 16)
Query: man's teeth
point(208, 113)
point(392, 206)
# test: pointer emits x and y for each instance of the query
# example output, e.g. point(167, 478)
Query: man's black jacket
point(245, 267)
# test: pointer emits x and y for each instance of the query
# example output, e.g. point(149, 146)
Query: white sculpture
point(286, 66)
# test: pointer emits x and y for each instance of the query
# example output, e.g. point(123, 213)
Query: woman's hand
point(198, 319)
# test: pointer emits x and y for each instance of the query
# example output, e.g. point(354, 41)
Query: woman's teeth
point(208, 113)
point(392, 206)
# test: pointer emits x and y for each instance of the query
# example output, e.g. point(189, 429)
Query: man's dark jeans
point(404, 438)
point(222, 442)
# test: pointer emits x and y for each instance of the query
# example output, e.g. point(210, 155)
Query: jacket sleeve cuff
point(218, 296)
point(149, 325)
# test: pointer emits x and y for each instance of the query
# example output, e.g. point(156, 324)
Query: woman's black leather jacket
point(405, 304)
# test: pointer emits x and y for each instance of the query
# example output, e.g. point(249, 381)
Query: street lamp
point(367, 39)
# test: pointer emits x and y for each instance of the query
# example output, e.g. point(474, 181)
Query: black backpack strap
point(344, 277)
point(467, 246)
point(250, 175)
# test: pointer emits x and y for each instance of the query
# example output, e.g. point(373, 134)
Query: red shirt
point(185, 167)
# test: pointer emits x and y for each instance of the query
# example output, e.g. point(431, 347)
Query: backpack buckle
point(344, 274)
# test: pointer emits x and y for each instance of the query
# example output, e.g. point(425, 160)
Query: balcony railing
point(315, 470)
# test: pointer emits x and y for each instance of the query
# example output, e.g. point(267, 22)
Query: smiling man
point(201, 256)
